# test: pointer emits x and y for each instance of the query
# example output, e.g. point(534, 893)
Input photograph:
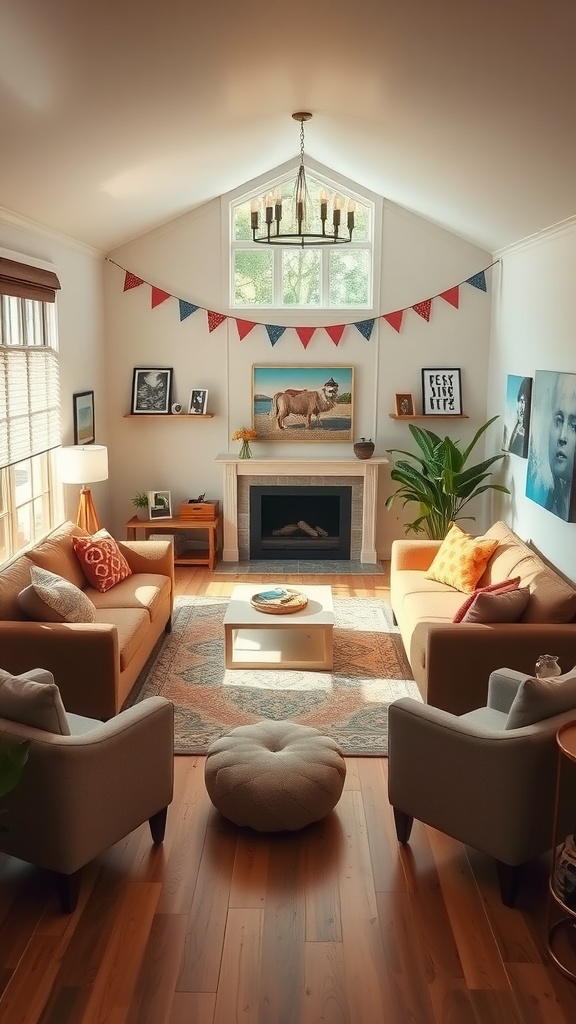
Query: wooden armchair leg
point(158, 825)
point(68, 888)
point(403, 823)
point(509, 881)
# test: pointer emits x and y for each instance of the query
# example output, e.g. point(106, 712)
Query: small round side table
point(562, 882)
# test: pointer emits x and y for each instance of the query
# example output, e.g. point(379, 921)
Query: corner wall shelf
point(170, 415)
point(431, 416)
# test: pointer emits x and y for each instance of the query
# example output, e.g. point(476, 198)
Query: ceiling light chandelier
point(272, 203)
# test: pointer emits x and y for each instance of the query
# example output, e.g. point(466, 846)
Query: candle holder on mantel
point(364, 449)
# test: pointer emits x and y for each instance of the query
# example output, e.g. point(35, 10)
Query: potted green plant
point(439, 481)
point(140, 502)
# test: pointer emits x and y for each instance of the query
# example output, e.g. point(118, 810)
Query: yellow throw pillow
point(461, 559)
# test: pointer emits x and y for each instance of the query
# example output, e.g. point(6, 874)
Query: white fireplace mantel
point(300, 465)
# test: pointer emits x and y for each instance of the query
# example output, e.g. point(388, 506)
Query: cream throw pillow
point(461, 559)
point(32, 698)
point(537, 699)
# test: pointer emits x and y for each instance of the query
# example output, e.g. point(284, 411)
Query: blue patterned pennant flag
point(186, 308)
point(365, 328)
point(478, 281)
point(274, 332)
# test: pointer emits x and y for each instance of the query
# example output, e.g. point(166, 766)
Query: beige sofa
point(452, 662)
point(94, 664)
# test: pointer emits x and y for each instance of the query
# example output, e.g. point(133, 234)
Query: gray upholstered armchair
point(80, 793)
point(486, 778)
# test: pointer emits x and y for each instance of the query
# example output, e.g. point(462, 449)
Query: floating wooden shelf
point(170, 415)
point(431, 416)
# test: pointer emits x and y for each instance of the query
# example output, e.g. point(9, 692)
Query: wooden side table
point(192, 556)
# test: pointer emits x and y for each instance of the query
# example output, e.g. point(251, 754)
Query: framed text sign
point(441, 393)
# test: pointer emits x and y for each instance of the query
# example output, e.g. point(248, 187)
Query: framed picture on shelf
point(83, 403)
point(404, 405)
point(198, 402)
point(151, 387)
point(159, 504)
point(441, 391)
point(303, 403)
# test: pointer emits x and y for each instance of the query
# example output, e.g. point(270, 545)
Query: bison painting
point(304, 403)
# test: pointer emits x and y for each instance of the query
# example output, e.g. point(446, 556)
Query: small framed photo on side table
point(198, 402)
point(404, 405)
point(159, 504)
point(441, 393)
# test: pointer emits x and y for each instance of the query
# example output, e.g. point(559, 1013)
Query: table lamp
point(84, 464)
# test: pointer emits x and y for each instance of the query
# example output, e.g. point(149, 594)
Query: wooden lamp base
point(87, 517)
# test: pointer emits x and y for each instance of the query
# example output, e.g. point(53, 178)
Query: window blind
point(29, 402)
point(26, 282)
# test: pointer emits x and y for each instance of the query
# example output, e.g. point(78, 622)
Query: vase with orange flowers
point(245, 435)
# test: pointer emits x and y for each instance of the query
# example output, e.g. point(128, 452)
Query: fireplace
point(300, 522)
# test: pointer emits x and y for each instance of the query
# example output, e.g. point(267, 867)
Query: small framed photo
point(84, 432)
point(198, 402)
point(151, 387)
point(441, 393)
point(159, 504)
point(404, 405)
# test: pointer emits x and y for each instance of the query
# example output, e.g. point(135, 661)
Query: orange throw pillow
point(103, 564)
point(461, 559)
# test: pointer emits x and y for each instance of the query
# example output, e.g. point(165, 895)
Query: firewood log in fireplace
point(286, 531)
point(306, 528)
point(321, 532)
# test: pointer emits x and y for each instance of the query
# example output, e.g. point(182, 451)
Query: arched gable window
point(291, 277)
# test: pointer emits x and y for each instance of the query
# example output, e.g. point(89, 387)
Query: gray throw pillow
point(32, 698)
point(538, 699)
point(498, 606)
point(50, 598)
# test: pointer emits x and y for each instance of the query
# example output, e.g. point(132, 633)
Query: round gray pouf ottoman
point(273, 776)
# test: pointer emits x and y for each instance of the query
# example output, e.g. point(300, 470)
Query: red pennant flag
point(131, 281)
point(423, 308)
point(335, 332)
point(452, 295)
point(244, 327)
point(394, 319)
point(159, 296)
point(214, 319)
point(305, 333)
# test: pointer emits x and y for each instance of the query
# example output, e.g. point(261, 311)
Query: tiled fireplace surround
point(241, 474)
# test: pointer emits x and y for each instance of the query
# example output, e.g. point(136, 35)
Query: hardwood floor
point(333, 925)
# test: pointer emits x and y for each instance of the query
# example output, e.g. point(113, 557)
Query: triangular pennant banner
point(423, 308)
point(335, 332)
point(394, 319)
point(365, 328)
point(186, 308)
point(158, 296)
point(244, 327)
point(305, 333)
point(452, 295)
point(214, 319)
point(131, 281)
point(274, 332)
point(478, 281)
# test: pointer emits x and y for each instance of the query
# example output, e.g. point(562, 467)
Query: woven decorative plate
point(279, 601)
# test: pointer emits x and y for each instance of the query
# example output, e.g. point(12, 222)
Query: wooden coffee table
point(302, 639)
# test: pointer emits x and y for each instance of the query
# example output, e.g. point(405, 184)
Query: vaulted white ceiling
point(120, 115)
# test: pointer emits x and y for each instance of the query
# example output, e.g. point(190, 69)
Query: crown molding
point(538, 238)
point(26, 224)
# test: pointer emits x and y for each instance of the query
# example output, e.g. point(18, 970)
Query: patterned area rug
point(350, 703)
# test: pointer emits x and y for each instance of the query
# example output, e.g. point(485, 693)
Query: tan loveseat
point(452, 662)
point(95, 664)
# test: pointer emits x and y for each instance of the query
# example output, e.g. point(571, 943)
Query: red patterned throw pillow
point(103, 564)
point(492, 588)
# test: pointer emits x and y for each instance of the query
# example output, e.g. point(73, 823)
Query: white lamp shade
point(83, 463)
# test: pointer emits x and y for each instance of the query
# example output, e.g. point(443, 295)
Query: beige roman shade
point(26, 282)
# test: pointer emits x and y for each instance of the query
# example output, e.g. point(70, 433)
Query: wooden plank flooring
point(333, 925)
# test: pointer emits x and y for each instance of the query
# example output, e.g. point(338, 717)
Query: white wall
point(80, 328)
point(534, 330)
point(185, 258)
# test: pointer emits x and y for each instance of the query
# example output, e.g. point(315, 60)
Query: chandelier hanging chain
point(301, 236)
